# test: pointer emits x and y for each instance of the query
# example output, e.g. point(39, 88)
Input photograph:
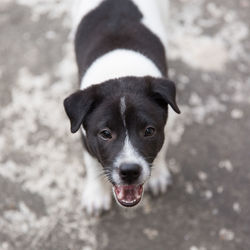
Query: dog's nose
point(130, 172)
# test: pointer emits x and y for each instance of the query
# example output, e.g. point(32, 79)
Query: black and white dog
point(122, 107)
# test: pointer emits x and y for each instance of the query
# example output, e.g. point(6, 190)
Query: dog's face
point(124, 122)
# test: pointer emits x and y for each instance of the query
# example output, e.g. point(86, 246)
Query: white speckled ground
point(41, 172)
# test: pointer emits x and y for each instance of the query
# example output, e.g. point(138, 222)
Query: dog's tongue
point(128, 195)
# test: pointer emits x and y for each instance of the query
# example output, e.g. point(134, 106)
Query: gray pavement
point(41, 169)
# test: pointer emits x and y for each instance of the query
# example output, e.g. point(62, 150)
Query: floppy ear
point(77, 106)
point(164, 92)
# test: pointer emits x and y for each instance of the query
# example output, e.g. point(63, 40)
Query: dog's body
point(122, 106)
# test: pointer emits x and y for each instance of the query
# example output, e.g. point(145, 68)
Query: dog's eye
point(150, 131)
point(105, 134)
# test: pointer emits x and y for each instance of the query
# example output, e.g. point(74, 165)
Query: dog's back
point(108, 25)
point(155, 13)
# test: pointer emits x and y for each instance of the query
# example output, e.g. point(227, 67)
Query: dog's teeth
point(129, 202)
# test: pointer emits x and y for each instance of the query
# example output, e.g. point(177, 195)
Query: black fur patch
point(116, 24)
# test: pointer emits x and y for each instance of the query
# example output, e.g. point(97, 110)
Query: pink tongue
point(129, 193)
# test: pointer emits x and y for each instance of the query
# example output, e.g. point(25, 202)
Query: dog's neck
point(119, 63)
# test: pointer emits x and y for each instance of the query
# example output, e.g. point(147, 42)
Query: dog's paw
point(160, 180)
point(96, 198)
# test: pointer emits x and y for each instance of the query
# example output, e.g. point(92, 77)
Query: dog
point(122, 107)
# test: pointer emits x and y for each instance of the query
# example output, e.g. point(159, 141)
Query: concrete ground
point(41, 173)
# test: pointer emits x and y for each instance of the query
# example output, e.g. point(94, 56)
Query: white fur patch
point(119, 63)
point(160, 177)
point(97, 192)
point(123, 109)
point(130, 155)
point(160, 180)
point(96, 196)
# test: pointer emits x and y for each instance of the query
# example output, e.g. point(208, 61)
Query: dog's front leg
point(96, 196)
point(160, 176)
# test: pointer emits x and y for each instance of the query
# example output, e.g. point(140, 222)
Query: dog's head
point(124, 122)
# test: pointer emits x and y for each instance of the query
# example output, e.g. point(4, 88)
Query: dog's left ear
point(164, 92)
point(77, 106)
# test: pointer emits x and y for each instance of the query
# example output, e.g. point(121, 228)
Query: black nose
point(129, 172)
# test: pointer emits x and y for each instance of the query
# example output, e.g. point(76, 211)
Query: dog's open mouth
point(128, 195)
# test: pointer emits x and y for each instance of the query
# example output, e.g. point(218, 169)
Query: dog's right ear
point(77, 106)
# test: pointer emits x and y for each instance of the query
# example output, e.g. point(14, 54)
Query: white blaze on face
point(129, 154)
point(123, 109)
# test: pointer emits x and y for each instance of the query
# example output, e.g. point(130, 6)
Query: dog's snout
point(130, 172)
